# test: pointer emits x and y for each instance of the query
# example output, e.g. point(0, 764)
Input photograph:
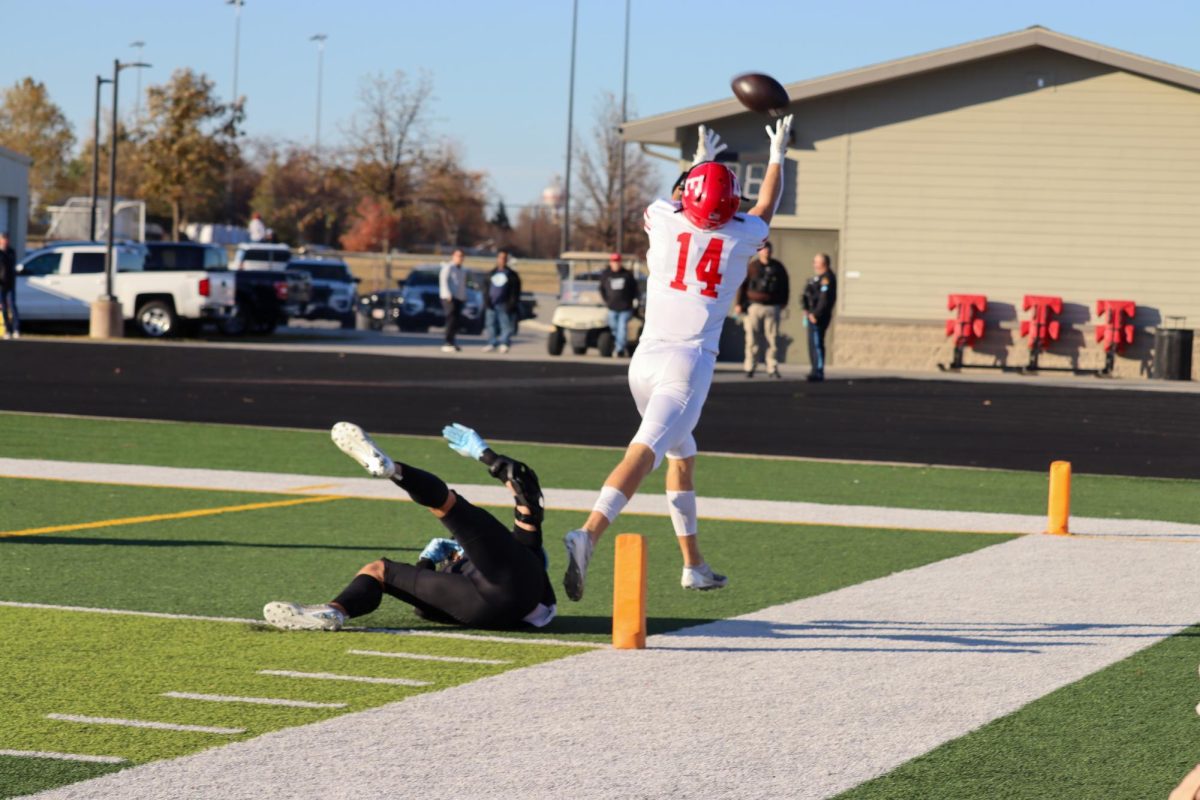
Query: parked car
point(183, 256)
point(59, 283)
point(422, 307)
point(257, 255)
point(333, 289)
point(381, 308)
point(264, 298)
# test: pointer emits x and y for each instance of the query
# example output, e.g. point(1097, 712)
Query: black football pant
point(500, 584)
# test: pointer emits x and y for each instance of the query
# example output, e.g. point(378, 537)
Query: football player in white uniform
point(699, 248)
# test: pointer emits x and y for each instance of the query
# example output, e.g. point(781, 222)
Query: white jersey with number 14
point(694, 273)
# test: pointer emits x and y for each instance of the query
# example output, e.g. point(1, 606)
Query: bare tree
point(385, 135)
point(598, 206)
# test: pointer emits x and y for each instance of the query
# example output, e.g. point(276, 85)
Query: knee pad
point(527, 490)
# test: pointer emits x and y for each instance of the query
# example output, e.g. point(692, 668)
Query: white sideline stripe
point(331, 676)
point(62, 756)
point(262, 701)
point(392, 631)
point(142, 723)
point(423, 657)
point(124, 612)
point(738, 509)
point(472, 637)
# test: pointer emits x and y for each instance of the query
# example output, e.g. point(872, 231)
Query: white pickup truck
point(59, 283)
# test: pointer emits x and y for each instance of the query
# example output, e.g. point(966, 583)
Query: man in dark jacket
point(501, 302)
point(820, 295)
point(8, 289)
point(619, 290)
point(761, 299)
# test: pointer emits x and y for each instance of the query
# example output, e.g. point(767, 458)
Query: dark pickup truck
point(265, 298)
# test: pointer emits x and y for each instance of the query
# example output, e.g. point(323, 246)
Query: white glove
point(708, 146)
point(779, 139)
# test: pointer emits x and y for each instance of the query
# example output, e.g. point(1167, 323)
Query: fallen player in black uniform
point(486, 577)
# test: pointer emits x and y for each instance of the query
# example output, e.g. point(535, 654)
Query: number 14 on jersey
point(708, 268)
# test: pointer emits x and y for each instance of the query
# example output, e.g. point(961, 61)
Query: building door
point(796, 248)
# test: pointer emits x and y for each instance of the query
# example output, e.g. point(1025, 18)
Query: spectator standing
point(820, 295)
point(501, 302)
point(619, 289)
point(257, 228)
point(8, 289)
point(452, 288)
point(761, 300)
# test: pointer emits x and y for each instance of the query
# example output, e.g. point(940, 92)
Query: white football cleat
point(702, 578)
point(579, 553)
point(354, 442)
point(295, 617)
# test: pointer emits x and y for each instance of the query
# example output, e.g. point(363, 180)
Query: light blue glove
point(464, 441)
point(439, 550)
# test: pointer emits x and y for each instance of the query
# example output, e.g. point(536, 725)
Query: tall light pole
point(237, 38)
point(566, 226)
point(319, 38)
point(624, 119)
point(106, 317)
point(96, 157)
point(137, 99)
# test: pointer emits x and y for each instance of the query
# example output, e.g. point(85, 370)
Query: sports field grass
point(101, 666)
point(1125, 728)
point(567, 467)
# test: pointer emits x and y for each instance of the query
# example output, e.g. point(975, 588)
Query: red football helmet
point(711, 195)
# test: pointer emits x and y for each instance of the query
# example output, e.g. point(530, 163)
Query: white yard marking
point(123, 612)
point(331, 676)
point(62, 756)
point(422, 657)
point(737, 509)
point(142, 723)
point(244, 621)
point(261, 701)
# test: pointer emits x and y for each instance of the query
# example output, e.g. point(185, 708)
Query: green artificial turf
point(311, 453)
point(231, 564)
point(1127, 732)
point(22, 776)
point(100, 665)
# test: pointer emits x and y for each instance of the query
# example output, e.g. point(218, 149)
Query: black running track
point(1022, 426)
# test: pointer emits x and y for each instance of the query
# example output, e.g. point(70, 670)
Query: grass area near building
point(570, 467)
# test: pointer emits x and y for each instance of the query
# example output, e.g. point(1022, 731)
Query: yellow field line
point(198, 512)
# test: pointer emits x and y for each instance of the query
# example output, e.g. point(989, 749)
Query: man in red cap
point(619, 289)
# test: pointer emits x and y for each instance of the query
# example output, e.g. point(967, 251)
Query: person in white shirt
point(699, 249)
point(257, 228)
point(452, 288)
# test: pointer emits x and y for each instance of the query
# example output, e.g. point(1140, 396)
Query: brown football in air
point(761, 93)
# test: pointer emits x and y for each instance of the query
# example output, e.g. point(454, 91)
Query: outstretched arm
point(772, 185)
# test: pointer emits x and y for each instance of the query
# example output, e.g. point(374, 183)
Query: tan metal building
point(1029, 163)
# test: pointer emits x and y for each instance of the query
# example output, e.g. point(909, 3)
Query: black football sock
point(361, 597)
point(423, 487)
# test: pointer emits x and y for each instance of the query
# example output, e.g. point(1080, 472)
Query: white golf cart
point(581, 318)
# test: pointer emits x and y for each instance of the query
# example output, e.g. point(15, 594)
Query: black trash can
point(1173, 354)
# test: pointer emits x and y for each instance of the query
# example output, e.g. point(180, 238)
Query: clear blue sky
point(500, 67)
